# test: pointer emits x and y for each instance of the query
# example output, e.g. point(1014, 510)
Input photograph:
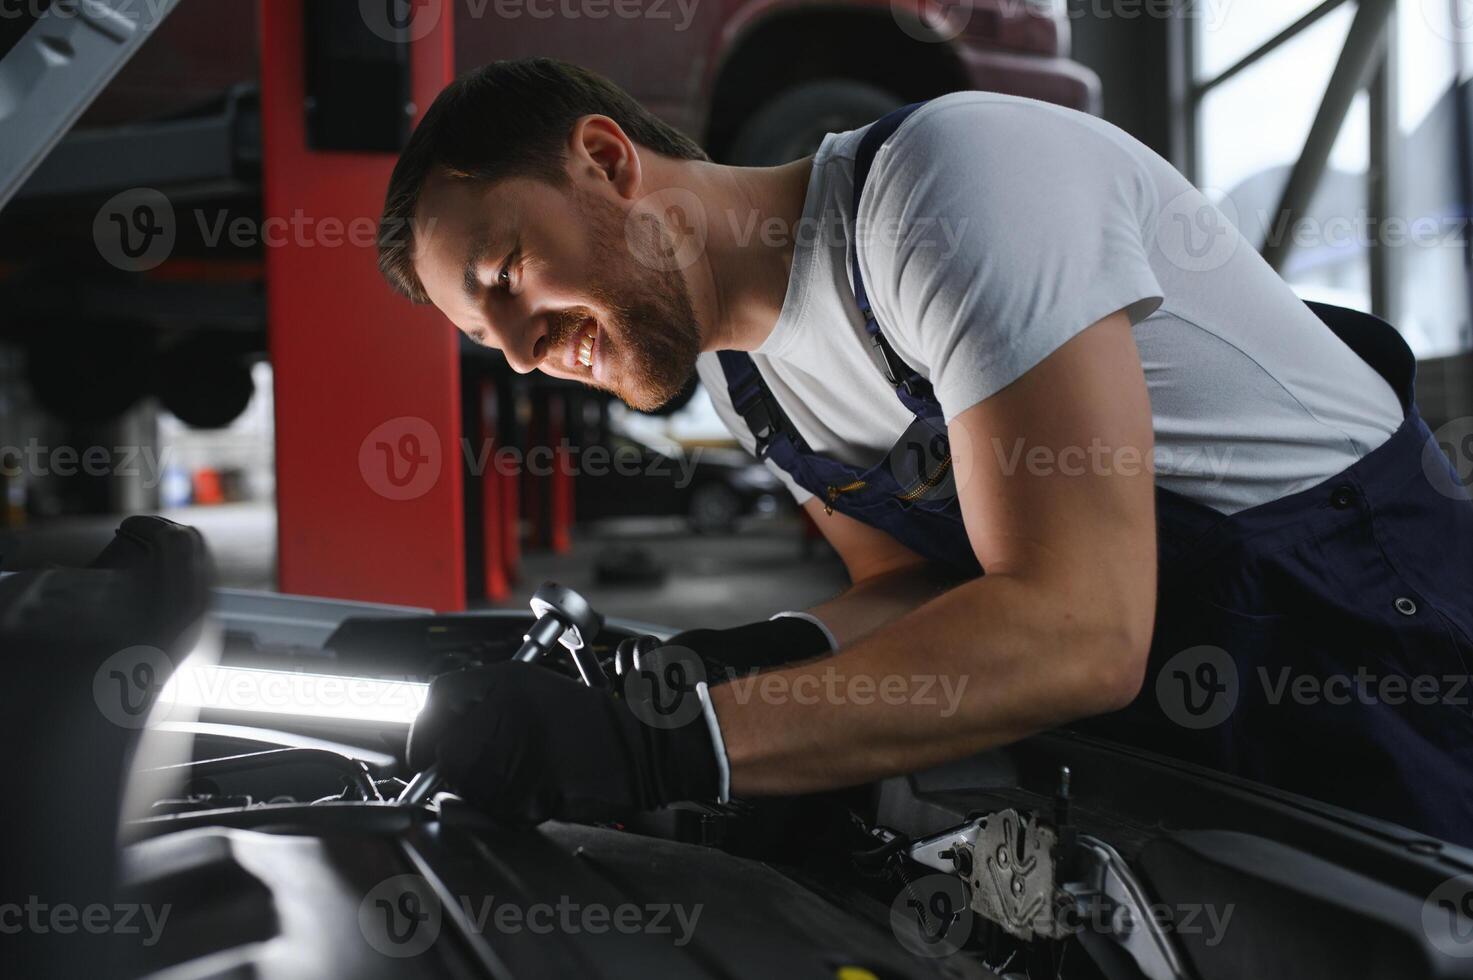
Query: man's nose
point(526, 349)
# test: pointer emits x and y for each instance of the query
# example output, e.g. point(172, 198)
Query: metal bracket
point(1007, 859)
point(1012, 876)
point(1112, 908)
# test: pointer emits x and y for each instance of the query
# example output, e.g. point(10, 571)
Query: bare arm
point(887, 579)
point(1058, 628)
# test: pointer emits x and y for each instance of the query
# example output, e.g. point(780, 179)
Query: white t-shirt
point(993, 229)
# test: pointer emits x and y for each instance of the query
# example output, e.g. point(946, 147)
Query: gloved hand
point(784, 639)
point(527, 745)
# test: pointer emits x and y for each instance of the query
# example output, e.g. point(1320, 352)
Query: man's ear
point(600, 152)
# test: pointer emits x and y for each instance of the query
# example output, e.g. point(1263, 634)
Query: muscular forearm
point(987, 663)
point(879, 599)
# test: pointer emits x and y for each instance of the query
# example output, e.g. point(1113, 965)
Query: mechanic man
point(1029, 346)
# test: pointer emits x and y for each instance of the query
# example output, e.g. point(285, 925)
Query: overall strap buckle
point(758, 414)
point(899, 374)
point(756, 404)
point(896, 371)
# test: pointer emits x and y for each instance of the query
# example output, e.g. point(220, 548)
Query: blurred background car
point(712, 487)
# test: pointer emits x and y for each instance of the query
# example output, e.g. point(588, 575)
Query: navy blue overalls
point(1319, 642)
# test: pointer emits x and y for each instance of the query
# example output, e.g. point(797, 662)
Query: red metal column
point(368, 439)
point(498, 572)
point(560, 494)
point(535, 498)
point(511, 517)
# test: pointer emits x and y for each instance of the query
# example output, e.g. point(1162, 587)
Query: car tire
point(714, 509)
point(92, 374)
point(794, 123)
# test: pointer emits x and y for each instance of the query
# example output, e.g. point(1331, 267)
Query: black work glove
point(755, 646)
point(527, 745)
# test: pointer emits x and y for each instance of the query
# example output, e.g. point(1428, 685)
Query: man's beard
point(650, 338)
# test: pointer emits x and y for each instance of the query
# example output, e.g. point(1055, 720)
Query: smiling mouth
point(586, 348)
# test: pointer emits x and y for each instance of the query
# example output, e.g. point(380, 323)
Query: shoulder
point(999, 153)
point(1001, 125)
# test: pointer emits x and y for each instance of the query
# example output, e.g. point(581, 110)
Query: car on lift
point(757, 82)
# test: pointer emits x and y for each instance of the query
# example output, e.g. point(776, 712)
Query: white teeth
point(585, 351)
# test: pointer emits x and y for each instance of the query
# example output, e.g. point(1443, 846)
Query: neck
point(740, 278)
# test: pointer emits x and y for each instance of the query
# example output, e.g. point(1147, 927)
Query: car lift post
point(499, 525)
point(549, 471)
point(368, 427)
point(560, 531)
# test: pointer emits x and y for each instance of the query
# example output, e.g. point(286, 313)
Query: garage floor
point(708, 580)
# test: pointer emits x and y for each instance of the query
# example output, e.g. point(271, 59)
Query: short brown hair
point(506, 119)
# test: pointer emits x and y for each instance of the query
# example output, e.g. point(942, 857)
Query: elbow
point(1115, 671)
point(1122, 677)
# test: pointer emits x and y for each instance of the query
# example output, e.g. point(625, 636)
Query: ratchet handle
point(421, 787)
point(542, 637)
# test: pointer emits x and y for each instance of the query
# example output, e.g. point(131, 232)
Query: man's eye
point(503, 278)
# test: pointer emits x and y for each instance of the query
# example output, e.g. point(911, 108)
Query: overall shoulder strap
point(750, 395)
point(912, 389)
point(754, 402)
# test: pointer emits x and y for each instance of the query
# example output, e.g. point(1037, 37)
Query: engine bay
point(259, 821)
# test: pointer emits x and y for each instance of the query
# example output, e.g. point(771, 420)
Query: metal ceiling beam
point(55, 71)
point(1271, 45)
point(1364, 46)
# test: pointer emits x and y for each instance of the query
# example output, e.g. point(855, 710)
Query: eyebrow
point(470, 275)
